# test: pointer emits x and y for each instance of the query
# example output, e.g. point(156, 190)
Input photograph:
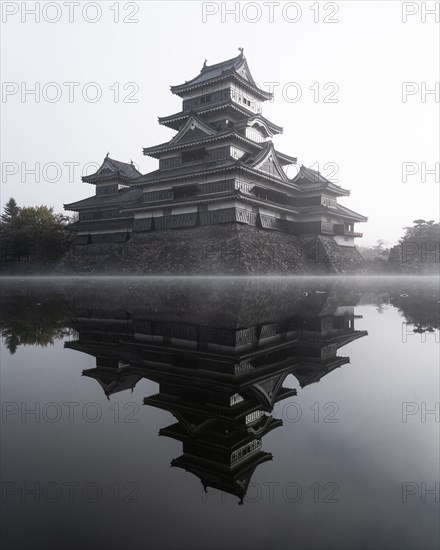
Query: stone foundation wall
point(223, 249)
point(325, 253)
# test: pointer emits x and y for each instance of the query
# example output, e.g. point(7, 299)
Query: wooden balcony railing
point(339, 229)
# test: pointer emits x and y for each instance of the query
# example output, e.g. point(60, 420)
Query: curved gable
point(193, 129)
point(267, 161)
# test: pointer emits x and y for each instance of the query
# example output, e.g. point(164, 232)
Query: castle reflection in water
point(220, 359)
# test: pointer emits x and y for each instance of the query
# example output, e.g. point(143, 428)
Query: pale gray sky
point(361, 60)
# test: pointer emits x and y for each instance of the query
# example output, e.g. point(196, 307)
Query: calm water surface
point(294, 413)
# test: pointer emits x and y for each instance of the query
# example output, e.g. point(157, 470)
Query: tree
point(380, 251)
point(422, 232)
point(34, 234)
point(419, 248)
point(10, 211)
point(376, 253)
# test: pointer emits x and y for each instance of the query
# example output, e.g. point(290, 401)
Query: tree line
point(417, 250)
point(33, 233)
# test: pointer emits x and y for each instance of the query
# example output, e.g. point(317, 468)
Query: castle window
point(193, 156)
point(165, 164)
point(218, 153)
point(106, 189)
point(185, 191)
point(234, 399)
point(86, 216)
point(253, 416)
point(99, 215)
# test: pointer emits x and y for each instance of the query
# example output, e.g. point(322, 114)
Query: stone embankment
point(229, 249)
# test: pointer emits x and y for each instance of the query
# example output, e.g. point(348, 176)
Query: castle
point(221, 194)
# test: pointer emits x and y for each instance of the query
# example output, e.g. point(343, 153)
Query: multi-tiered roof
point(221, 167)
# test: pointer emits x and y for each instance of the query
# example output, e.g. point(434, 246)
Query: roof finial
point(107, 155)
point(131, 162)
point(241, 51)
point(204, 64)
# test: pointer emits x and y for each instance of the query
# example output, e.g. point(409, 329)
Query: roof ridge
point(120, 162)
point(207, 67)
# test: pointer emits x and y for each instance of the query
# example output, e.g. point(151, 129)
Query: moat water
point(215, 413)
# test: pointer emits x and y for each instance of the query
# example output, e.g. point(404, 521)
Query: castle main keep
point(221, 200)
